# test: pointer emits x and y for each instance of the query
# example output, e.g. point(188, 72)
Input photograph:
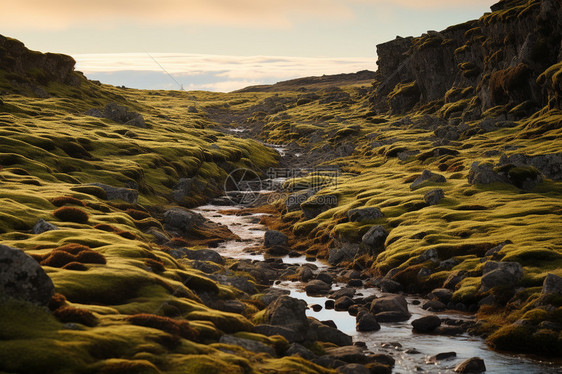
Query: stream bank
point(411, 351)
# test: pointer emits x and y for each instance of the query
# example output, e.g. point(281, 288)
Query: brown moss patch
point(71, 214)
point(68, 314)
point(166, 324)
point(66, 200)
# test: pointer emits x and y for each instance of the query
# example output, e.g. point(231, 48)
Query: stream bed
point(251, 233)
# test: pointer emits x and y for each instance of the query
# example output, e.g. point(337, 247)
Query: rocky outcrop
point(480, 64)
point(524, 176)
point(28, 70)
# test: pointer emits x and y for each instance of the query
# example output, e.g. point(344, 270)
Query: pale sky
point(223, 44)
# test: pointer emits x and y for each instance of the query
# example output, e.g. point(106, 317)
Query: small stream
point(247, 227)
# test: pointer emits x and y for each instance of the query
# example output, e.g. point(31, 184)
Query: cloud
point(62, 14)
point(209, 72)
point(429, 4)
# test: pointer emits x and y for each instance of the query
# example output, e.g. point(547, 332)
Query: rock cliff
point(25, 71)
point(508, 59)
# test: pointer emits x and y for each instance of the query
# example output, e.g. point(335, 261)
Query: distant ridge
point(315, 83)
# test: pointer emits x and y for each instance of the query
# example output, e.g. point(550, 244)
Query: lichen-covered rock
point(21, 277)
point(390, 286)
point(119, 193)
point(427, 177)
point(524, 177)
point(297, 349)
point(433, 197)
point(121, 114)
point(552, 284)
point(351, 354)
point(364, 214)
point(353, 369)
point(328, 334)
point(204, 255)
point(42, 226)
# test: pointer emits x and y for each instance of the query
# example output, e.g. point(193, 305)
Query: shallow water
point(465, 346)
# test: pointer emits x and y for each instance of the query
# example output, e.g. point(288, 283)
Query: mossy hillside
point(50, 152)
point(87, 149)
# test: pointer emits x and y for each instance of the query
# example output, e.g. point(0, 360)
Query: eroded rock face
point(21, 277)
point(47, 67)
point(438, 63)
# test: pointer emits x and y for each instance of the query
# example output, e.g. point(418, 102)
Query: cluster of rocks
point(119, 114)
point(524, 176)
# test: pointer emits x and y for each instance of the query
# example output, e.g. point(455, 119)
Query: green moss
point(404, 89)
point(227, 322)
point(522, 338)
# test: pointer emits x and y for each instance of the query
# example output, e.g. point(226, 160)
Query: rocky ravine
point(448, 187)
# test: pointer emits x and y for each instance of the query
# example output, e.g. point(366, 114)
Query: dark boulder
point(21, 277)
point(317, 287)
point(374, 239)
point(366, 322)
point(426, 324)
point(275, 238)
